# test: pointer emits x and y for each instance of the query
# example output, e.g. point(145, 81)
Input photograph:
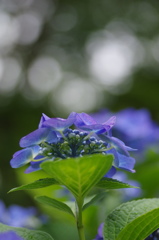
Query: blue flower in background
point(10, 235)
point(128, 193)
point(17, 216)
point(55, 139)
point(134, 126)
point(99, 236)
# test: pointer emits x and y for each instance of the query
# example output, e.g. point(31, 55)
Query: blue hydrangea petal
point(43, 119)
point(83, 119)
point(110, 122)
point(34, 166)
point(87, 123)
point(126, 163)
point(60, 123)
point(24, 156)
point(111, 172)
point(116, 143)
point(97, 128)
point(100, 230)
point(38, 136)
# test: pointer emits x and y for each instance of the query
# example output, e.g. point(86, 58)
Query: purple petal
point(83, 119)
point(43, 119)
point(116, 143)
point(38, 136)
point(59, 123)
point(100, 230)
point(24, 156)
point(72, 115)
point(34, 166)
point(111, 121)
point(97, 128)
point(111, 172)
point(126, 163)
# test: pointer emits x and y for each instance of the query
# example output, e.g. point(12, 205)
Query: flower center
point(72, 143)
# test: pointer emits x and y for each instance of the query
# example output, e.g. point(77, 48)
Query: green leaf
point(79, 175)
point(109, 183)
point(54, 203)
point(26, 234)
point(94, 199)
point(132, 220)
point(41, 183)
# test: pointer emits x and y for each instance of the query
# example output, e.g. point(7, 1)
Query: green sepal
point(109, 183)
point(26, 234)
point(41, 183)
point(80, 174)
point(132, 220)
point(55, 204)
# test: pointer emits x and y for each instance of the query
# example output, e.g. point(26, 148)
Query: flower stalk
point(79, 220)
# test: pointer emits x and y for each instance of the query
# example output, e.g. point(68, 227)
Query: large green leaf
point(41, 183)
point(55, 204)
point(79, 175)
point(109, 183)
point(26, 234)
point(133, 220)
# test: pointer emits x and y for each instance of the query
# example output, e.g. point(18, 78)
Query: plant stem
point(80, 227)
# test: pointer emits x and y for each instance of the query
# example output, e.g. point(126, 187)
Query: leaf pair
point(79, 175)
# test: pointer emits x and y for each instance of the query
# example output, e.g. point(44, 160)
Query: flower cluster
point(17, 216)
point(56, 139)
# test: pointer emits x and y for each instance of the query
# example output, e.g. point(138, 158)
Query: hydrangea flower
point(55, 139)
point(17, 216)
point(10, 235)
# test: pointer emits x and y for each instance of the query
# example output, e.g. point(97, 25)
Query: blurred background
point(62, 56)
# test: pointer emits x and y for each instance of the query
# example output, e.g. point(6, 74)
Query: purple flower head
point(10, 235)
point(87, 123)
point(55, 139)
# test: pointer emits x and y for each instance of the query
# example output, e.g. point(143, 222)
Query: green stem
point(80, 227)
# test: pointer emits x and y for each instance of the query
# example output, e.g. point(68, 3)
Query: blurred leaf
point(94, 199)
point(55, 204)
point(41, 183)
point(147, 174)
point(109, 183)
point(79, 175)
point(132, 220)
point(26, 234)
